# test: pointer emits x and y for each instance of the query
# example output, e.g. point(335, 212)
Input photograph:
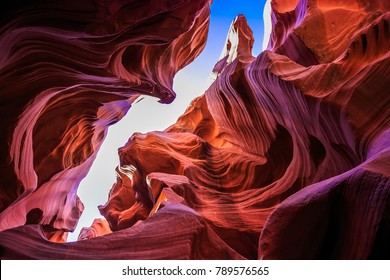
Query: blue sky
point(149, 115)
point(224, 11)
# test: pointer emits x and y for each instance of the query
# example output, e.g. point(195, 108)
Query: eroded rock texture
point(99, 227)
point(68, 71)
point(285, 156)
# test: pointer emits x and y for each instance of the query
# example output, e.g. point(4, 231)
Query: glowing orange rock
point(99, 227)
point(267, 128)
point(66, 75)
point(285, 156)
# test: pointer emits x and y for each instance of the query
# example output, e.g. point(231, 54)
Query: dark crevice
point(317, 150)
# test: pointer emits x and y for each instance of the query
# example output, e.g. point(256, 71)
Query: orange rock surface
point(67, 73)
point(285, 156)
point(99, 227)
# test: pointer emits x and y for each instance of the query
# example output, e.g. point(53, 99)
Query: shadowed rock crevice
point(66, 78)
point(285, 156)
point(317, 150)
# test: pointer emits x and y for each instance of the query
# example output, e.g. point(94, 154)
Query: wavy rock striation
point(147, 241)
point(285, 156)
point(99, 227)
point(67, 72)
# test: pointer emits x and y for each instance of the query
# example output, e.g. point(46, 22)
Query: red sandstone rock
point(99, 227)
point(285, 156)
point(148, 240)
point(345, 217)
point(264, 130)
point(68, 71)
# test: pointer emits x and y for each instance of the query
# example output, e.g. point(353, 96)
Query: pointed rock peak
point(239, 43)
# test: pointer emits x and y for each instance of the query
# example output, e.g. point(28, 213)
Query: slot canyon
point(285, 156)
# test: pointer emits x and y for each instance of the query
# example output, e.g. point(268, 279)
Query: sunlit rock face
point(68, 71)
point(99, 227)
point(336, 54)
point(285, 156)
point(253, 154)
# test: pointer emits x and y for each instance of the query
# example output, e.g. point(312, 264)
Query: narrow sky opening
point(149, 115)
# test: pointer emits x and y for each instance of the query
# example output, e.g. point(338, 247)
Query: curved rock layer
point(267, 128)
point(67, 72)
point(285, 156)
point(99, 227)
point(147, 241)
